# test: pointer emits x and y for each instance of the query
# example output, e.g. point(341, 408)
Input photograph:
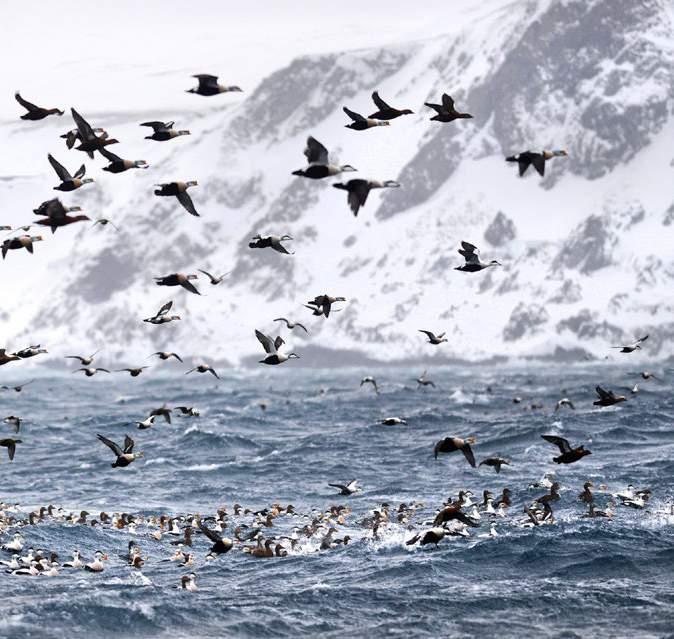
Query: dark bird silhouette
point(208, 86)
point(358, 190)
point(452, 444)
point(360, 123)
point(35, 112)
point(163, 131)
point(178, 279)
point(473, 263)
point(446, 112)
point(179, 190)
point(68, 182)
point(386, 112)
point(607, 398)
point(538, 160)
point(568, 454)
point(124, 456)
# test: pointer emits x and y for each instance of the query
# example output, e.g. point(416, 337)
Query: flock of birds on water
point(251, 531)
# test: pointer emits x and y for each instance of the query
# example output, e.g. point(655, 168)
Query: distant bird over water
point(446, 112)
point(347, 489)
point(124, 456)
point(203, 368)
point(85, 361)
point(370, 380)
point(634, 346)
point(179, 279)
point(272, 348)
point(568, 455)
point(537, 160)
point(452, 444)
point(208, 86)
point(608, 398)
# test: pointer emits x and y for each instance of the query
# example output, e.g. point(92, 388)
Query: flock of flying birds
point(454, 518)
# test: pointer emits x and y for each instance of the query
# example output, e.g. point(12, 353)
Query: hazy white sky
point(127, 55)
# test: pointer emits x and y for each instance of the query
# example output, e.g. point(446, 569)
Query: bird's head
point(191, 183)
point(471, 439)
point(495, 263)
point(560, 153)
point(88, 180)
point(286, 237)
point(293, 356)
point(192, 276)
point(391, 184)
point(407, 112)
point(347, 168)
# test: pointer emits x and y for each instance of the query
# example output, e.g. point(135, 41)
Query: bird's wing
point(185, 199)
point(11, 449)
point(86, 132)
point(75, 357)
point(642, 339)
point(211, 534)
point(266, 342)
point(340, 486)
point(128, 444)
point(539, 164)
point(523, 164)
point(206, 80)
point(468, 247)
point(61, 171)
point(180, 359)
point(214, 373)
point(190, 287)
point(156, 125)
point(356, 117)
point(315, 152)
point(436, 107)
point(278, 342)
point(302, 326)
point(560, 442)
point(206, 273)
point(164, 309)
point(361, 191)
point(468, 454)
point(80, 172)
point(602, 393)
point(447, 102)
point(24, 103)
point(111, 445)
point(381, 105)
point(430, 335)
point(111, 157)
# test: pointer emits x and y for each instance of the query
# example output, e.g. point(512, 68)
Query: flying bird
point(273, 241)
point(68, 182)
point(90, 142)
point(634, 346)
point(124, 456)
point(452, 444)
point(179, 190)
point(607, 398)
point(473, 263)
point(358, 190)
point(385, 111)
point(119, 165)
point(360, 123)
point(325, 302)
point(319, 164)
point(446, 112)
point(203, 368)
point(272, 348)
point(10, 444)
point(568, 454)
point(162, 316)
point(134, 372)
point(24, 241)
point(537, 160)
point(349, 488)
point(291, 325)
point(213, 279)
point(565, 401)
point(433, 338)
point(221, 545)
point(90, 372)
point(164, 355)
point(35, 112)
point(163, 131)
point(85, 361)
point(179, 279)
point(495, 463)
point(370, 380)
point(208, 86)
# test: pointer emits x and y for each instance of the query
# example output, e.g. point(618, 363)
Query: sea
point(281, 435)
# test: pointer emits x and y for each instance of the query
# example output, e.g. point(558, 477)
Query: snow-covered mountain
point(587, 251)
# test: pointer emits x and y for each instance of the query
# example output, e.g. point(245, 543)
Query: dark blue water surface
point(577, 578)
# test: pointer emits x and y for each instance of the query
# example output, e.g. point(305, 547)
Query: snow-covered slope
point(587, 252)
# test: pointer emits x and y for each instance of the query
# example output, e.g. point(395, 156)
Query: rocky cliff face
point(586, 251)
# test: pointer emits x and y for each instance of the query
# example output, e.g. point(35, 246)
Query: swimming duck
point(119, 165)
point(586, 496)
point(473, 263)
point(125, 456)
point(17, 388)
point(272, 348)
point(568, 455)
point(97, 564)
point(213, 279)
point(452, 444)
point(208, 85)
point(319, 164)
point(179, 190)
point(189, 582)
point(23, 241)
point(538, 160)
point(385, 111)
point(393, 421)
point(607, 398)
point(634, 346)
point(359, 189)
point(16, 545)
point(446, 112)
point(179, 279)
point(90, 142)
point(291, 325)
point(163, 131)
point(76, 561)
point(433, 338)
point(146, 423)
point(495, 463)
point(347, 489)
point(35, 112)
point(68, 182)
point(188, 411)
point(360, 123)
point(271, 241)
point(203, 368)
point(162, 316)
point(90, 372)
